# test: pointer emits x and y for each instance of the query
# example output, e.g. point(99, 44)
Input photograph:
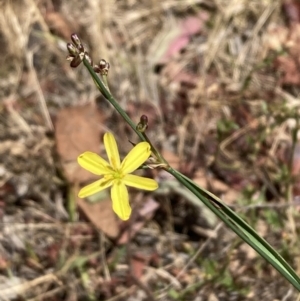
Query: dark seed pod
point(96, 69)
point(76, 62)
point(144, 119)
point(143, 124)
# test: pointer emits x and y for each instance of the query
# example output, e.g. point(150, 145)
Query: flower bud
point(144, 119)
point(143, 124)
point(77, 42)
point(72, 49)
point(102, 64)
point(103, 67)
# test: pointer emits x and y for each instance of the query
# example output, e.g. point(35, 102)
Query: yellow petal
point(140, 182)
point(94, 163)
point(136, 157)
point(120, 200)
point(94, 187)
point(112, 150)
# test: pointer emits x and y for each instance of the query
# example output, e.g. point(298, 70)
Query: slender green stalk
point(101, 86)
point(160, 158)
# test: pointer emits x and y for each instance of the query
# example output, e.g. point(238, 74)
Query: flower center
point(118, 175)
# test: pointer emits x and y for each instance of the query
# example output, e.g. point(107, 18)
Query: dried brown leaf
point(101, 216)
point(77, 130)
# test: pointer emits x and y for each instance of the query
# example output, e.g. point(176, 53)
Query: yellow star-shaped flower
point(117, 174)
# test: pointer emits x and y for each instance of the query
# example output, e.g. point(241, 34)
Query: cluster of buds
point(102, 68)
point(77, 52)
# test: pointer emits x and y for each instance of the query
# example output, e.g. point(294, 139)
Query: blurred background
point(219, 81)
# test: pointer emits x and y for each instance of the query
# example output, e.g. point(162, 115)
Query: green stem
point(104, 78)
point(103, 89)
point(159, 157)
